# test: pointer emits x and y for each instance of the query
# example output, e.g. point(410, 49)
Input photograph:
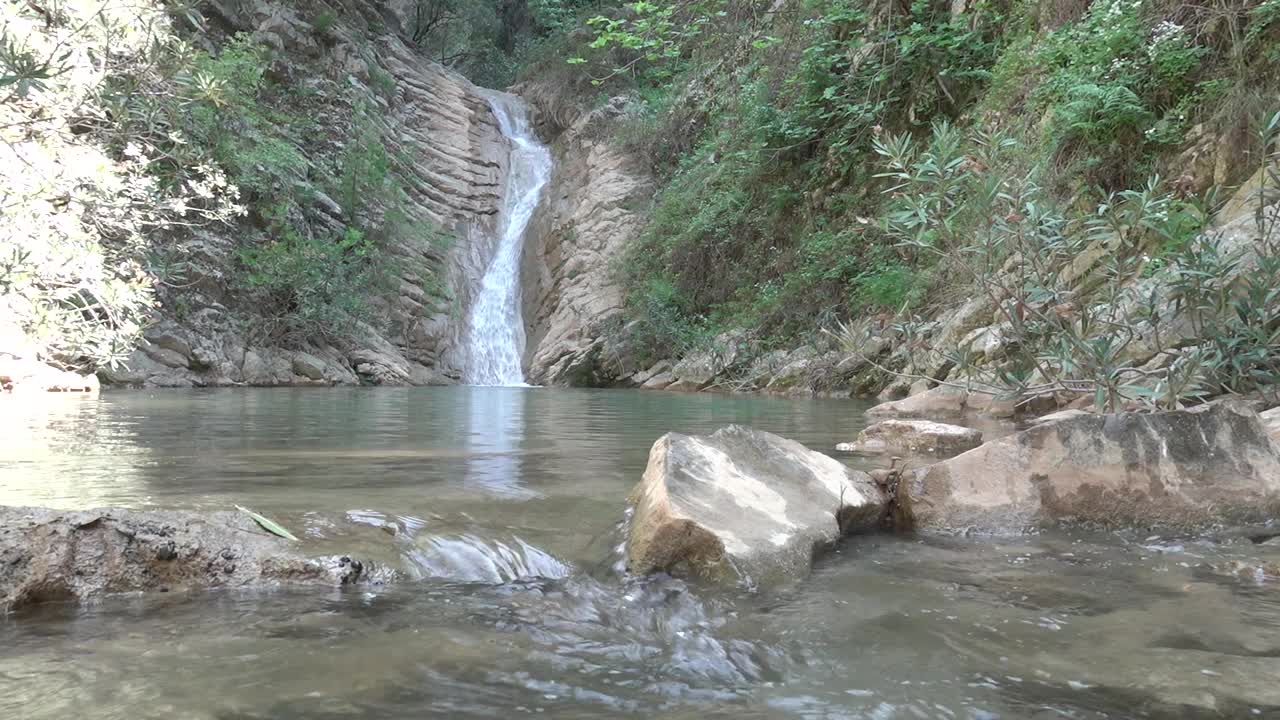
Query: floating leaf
point(267, 524)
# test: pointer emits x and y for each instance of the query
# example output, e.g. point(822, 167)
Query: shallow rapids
point(511, 601)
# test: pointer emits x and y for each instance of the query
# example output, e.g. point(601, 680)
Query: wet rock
point(744, 502)
point(914, 435)
point(1182, 469)
point(946, 401)
point(49, 555)
point(1253, 571)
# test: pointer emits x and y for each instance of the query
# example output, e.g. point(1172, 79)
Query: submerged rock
point(914, 435)
point(746, 501)
point(1182, 469)
point(48, 555)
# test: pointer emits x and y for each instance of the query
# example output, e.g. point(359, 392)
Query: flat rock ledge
point(743, 504)
point(1184, 470)
point(947, 401)
point(51, 555)
point(914, 436)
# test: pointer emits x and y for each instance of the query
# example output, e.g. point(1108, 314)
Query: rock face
point(915, 435)
point(587, 217)
point(744, 501)
point(452, 180)
point(1178, 469)
point(49, 555)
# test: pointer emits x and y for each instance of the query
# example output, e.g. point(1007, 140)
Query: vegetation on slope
point(135, 134)
point(826, 162)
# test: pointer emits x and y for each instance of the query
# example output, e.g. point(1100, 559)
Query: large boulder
point(743, 503)
point(50, 555)
point(1180, 469)
point(914, 436)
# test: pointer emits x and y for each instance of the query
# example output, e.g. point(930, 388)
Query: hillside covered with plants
point(1022, 195)
point(1031, 197)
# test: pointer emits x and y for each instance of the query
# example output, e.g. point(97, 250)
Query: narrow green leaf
point(267, 524)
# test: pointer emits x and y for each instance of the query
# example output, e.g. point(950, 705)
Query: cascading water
point(495, 328)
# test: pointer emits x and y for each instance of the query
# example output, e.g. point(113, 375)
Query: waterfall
point(495, 329)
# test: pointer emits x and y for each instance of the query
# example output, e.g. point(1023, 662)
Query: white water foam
point(495, 328)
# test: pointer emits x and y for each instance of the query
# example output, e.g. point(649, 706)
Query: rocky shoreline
point(734, 501)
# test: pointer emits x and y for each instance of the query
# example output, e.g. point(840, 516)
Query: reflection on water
point(495, 423)
point(40, 436)
point(502, 506)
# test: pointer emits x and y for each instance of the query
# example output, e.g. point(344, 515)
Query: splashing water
point(469, 558)
point(495, 330)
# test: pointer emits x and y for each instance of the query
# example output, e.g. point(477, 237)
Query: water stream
point(495, 329)
point(511, 603)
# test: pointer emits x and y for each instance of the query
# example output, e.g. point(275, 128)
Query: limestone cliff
point(450, 161)
point(588, 215)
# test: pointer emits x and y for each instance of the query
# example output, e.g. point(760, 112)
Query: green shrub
point(313, 286)
point(324, 22)
point(1114, 83)
point(228, 115)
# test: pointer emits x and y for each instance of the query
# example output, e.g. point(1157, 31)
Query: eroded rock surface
point(50, 555)
point(746, 502)
point(1180, 469)
point(452, 181)
point(915, 436)
point(588, 215)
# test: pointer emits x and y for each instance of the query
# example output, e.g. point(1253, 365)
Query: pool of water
point(506, 506)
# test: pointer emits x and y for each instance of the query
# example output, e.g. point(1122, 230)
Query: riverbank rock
point(916, 436)
point(946, 401)
point(746, 501)
point(1181, 469)
point(1271, 421)
point(50, 555)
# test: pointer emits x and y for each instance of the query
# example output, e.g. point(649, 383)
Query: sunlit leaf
point(267, 524)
